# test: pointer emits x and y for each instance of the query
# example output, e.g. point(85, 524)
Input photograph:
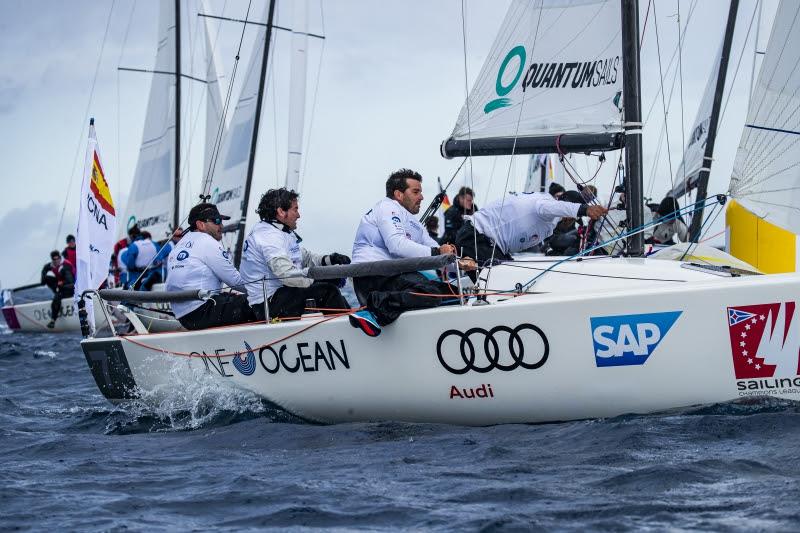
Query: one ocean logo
point(245, 364)
point(629, 339)
point(502, 89)
point(182, 255)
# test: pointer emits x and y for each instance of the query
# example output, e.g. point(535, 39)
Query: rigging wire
point(316, 91)
point(119, 103)
point(81, 138)
point(680, 70)
point(661, 83)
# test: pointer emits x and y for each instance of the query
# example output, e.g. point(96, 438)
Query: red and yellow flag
point(99, 186)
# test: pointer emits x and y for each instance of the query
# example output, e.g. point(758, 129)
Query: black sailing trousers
point(224, 309)
point(388, 296)
point(288, 302)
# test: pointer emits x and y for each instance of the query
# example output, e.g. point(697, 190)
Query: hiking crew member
point(59, 275)
point(139, 258)
point(70, 253)
point(272, 253)
point(198, 261)
point(117, 262)
point(518, 222)
point(390, 231)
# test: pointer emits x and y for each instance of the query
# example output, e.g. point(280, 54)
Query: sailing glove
point(337, 259)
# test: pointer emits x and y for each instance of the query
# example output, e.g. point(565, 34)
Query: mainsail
point(686, 177)
point(215, 128)
point(297, 94)
point(227, 187)
point(151, 201)
point(766, 176)
point(552, 82)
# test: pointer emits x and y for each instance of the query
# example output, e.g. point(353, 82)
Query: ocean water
point(215, 459)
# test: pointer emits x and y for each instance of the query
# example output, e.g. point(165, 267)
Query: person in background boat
point(463, 207)
point(70, 253)
point(59, 275)
point(162, 258)
point(432, 227)
point(272, 253)
point(139, 258)
point(117, 263)
point(672, 223)
point(198, 261)
point(515, 223)
point(556, 190)
point(389, 231)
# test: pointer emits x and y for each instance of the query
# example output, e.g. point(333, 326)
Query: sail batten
point(545, 77)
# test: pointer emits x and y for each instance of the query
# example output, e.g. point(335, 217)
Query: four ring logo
point(501, 348)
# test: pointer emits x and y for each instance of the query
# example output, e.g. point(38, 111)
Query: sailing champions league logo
point(765, 343)
point(574, 74)
point(629, 339)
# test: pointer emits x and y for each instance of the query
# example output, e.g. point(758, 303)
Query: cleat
point(366, 322)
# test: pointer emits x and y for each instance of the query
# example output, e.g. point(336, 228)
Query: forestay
point(766, 173)
point(555, 68)
point(150, 204)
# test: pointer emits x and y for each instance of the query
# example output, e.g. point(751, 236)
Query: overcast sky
point(390, 86)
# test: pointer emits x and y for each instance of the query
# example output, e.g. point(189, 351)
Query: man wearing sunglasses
point(198, 261)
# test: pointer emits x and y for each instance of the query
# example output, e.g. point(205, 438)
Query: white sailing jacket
point(274, 254)
point(199, 261)
point(518, 222)
point(389, 231)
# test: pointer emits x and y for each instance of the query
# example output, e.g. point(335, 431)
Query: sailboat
point(555, 338)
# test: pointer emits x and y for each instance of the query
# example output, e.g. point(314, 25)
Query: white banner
point(97, 226)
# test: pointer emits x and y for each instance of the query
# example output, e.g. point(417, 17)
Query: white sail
point(766, 173)
point(215, 127)
point(297, 84)
point(150, 204)
point(230, 171)
point(686, 176)
point(555, 68)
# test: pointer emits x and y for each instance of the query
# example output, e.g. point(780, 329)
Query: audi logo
point(504, 349)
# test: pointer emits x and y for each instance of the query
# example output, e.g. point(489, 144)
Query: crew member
point(462, 209)
point(432, 227)
point(70, 253)
point(198, 261)
point(60, 277)
point(515, 223)
point(139, 259)
point(389, 231)
point(671, 224)
point(164, 250)
point(272, 253)
point(117, 261)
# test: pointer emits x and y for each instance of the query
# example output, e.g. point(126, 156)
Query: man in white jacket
point(275, 265)
point(198, 261)
point(390, 231)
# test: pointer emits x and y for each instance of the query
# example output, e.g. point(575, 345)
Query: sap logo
point(629, 339)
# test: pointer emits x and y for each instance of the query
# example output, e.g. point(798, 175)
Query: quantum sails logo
point(551, 75)
point(765, 346)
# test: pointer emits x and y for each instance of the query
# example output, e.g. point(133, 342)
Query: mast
point(632, 102)
point(705, 170)
point(237, 254)
point(177, 178)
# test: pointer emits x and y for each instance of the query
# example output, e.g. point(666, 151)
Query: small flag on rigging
point(97, 225)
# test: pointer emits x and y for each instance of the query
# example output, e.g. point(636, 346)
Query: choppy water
point(213, 459)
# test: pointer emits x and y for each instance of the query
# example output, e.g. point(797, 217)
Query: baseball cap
point(205, 211)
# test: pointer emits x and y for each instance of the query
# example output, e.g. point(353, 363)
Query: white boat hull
point(579, 354)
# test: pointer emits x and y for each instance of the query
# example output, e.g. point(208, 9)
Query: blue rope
point(691, 208)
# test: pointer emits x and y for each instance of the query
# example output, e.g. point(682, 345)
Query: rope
point(231, 354)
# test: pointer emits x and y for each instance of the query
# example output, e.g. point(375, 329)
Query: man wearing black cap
point(518, 222)
point(198, 261)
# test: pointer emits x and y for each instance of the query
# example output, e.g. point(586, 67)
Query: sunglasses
point(217, 221)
